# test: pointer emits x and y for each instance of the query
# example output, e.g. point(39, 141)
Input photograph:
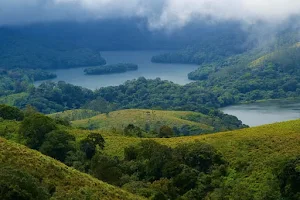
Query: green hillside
point(65, 182)
point(254, 163)
point(184, 122)
point(252, 76)
point(255, 155)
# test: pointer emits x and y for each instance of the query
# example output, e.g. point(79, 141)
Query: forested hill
point(71, 44)
point(214, 47)
point(253, 76)
point(20, 51)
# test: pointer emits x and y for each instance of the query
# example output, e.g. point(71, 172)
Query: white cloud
point(160, 13)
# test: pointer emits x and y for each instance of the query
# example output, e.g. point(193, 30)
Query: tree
point(89, 144)
point(200, 156)
point(106, 168)
point(11, 113)
point(34, 129)
point(165, 132)
point(132, 130)
point(150, 157)
point(57, 144)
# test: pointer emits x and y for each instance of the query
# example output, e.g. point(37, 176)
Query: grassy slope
point(155, 118)
point(70, 184)
point(77, 114)
point(254, 153)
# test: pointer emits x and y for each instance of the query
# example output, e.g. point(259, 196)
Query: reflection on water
point(176, 73)
point(256, 114)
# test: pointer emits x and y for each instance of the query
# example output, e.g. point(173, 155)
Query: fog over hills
point(159, 13)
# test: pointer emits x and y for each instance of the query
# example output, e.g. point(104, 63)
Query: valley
point(158, 100)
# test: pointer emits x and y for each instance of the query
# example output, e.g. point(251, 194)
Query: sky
point(161, 14)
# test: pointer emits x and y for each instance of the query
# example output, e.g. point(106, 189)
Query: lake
point(176, 73)
point(256, 114)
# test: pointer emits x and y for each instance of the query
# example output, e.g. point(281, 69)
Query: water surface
point(176, 73)
point(256, 114)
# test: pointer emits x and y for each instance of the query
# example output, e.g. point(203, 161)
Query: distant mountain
point(74, 44)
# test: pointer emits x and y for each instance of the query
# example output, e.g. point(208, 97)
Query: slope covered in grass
point(76, 114)
point(64, 182)
point(150, 120)
point(255, 155)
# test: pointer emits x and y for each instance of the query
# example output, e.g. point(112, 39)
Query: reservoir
point(176, 73)
point(268, 112)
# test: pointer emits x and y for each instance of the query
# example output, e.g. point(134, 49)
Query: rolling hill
point(255, 155)
point(65, 182)
point(185, 122)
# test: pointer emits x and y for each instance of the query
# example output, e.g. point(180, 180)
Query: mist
point(160, 14)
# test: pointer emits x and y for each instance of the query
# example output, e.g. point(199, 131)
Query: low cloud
point(161, 14)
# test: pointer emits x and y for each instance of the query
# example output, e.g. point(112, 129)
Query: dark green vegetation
point(290, 179)
point(189, 171)
point(111, 69)
point(11, 113)
point(52, 97)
